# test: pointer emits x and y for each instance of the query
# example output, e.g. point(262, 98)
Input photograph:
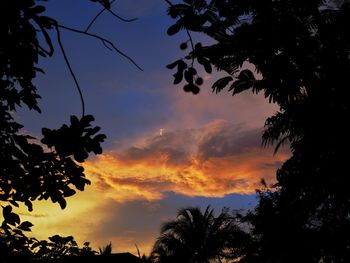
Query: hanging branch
point(192, 45)
point(59, 40)
point(187, 32)
point(104, 41)
point(107, 43)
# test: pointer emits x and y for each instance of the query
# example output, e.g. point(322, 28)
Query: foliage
point(106, 250)
point(199, 237)
point(58, 247)
point(300, 49)
point(31, 169)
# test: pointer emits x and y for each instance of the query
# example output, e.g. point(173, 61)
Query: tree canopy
point(300, 49)
point(32, 169)
point(196, 236)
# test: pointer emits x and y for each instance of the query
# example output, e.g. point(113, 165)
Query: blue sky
point(208, 153)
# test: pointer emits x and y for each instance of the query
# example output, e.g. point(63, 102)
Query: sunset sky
point(166, 149)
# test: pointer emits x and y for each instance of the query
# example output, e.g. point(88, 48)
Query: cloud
point(224, 139)
point(219, 159)
point(34, 215)
point(198, 110)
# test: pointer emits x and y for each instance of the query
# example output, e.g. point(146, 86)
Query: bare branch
point(94, 19)
point(121, 18)
point(70, 68)
point(110, 11)
point(104, 41)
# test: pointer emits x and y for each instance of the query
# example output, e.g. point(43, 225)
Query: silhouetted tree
point(301, 51)
point(31, 170)
point(197, 237)
point(56, 247)
point(106, 250)
point(86, 250)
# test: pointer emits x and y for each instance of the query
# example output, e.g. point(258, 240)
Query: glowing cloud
point(213, 161)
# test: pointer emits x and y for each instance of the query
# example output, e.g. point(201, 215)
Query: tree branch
point(187, 31)
point(95, 18)
point(70, 68)
point(104, 41)
point(110, 11)
point(192, 45)
point(121, 18)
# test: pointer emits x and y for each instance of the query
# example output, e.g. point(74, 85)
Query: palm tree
point(106, 250)
point(196, 237)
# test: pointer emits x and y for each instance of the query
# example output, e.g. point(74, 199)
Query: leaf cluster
point(29, 169)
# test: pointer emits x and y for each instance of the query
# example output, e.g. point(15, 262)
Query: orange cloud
point(214, 161)
point(215, 177)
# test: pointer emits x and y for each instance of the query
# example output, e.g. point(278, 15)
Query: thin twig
point(94, 19)
point(121, 18)
point(107, 46)
point(104, 40)
point(70, 69)
point(113, 13)
point(192, 45)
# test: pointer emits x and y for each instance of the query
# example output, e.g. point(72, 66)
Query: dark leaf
point(192, 71)
point(25, 226)
point(6, 211)
point(178, 77)
point(244, 81)
point(199, 81)
point(86, 120)
point(12, 219)
point(221, 83)
point(68, 192)
point(29, 205)
point(172, 65)
point(183, 46)
point(246, 75)
point(172, 30)
point(207, 67)
point(239, 86)
point(14, 203)
point(62, 202)
point(191, 88)
point(187, 88)
point(38, 9)
point(188, 76)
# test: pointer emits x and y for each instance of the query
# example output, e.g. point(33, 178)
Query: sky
point(166, 149)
